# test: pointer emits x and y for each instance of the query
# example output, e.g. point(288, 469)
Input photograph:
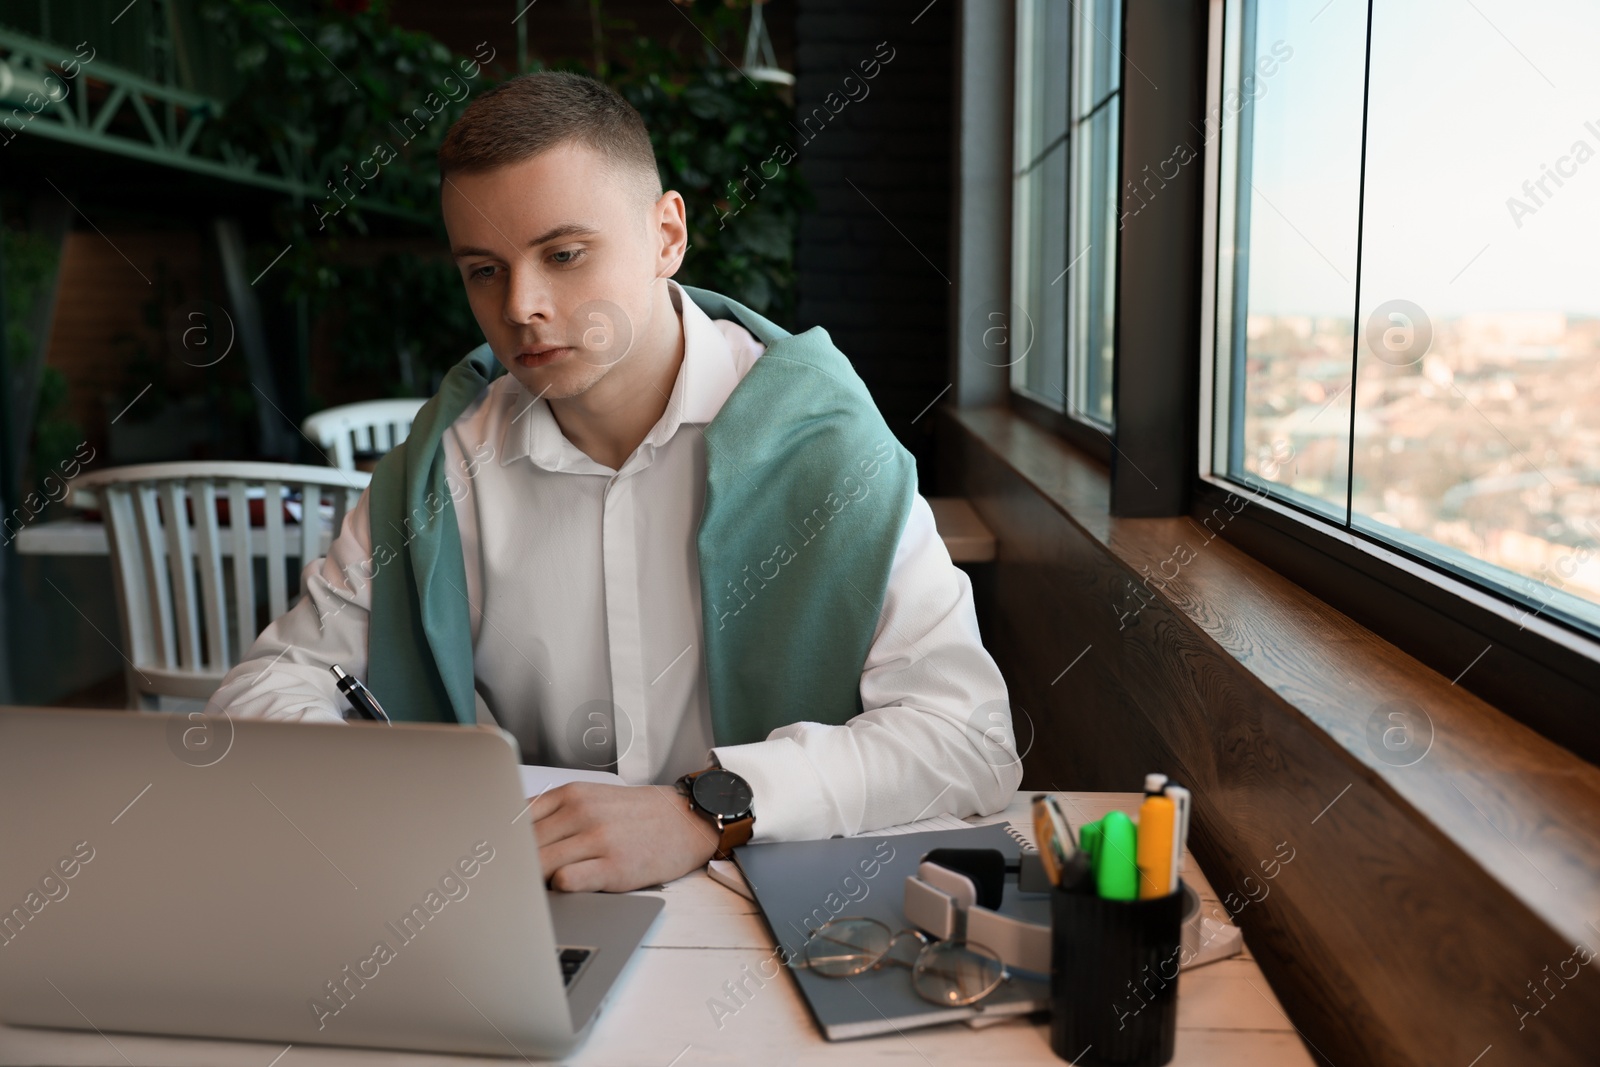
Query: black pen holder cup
point(1114, 978)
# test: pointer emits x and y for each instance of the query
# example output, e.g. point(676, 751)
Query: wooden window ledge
point(1436, 887)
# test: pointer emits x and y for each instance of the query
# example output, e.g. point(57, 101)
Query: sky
point(1468, 101)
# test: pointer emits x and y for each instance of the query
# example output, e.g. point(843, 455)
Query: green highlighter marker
point(1089, 842)
point(1116, 867)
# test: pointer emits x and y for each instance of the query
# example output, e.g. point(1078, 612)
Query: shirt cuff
point(282, 694)
point(788, 796)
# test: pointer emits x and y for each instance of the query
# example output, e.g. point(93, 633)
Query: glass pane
point(1478, 398)
point(1097, 51)
point(1042, 77)
point(1059, 255)
point(1094, 265)
point(1037, 342)
point(1296, 204)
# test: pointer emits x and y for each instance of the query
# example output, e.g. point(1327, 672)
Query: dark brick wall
point(872, 288)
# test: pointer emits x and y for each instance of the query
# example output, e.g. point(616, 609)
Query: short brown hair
point(530, 113)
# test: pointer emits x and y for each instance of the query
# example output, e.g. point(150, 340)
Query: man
point(655, 541)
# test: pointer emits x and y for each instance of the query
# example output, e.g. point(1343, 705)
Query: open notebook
point(536, 780)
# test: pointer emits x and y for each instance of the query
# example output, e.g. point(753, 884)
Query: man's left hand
point(614, 838)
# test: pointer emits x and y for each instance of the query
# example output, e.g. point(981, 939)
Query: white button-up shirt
point(583, 586)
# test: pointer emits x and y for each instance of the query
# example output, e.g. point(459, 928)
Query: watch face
point(721, 792)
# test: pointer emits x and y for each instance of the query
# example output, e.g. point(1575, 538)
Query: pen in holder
point(1114, 978)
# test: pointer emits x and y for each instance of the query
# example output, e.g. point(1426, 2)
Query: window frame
point(1081, 115)
point(1414, 602)
point(1081, 429)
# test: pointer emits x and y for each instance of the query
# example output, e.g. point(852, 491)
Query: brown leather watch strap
point(734, 834)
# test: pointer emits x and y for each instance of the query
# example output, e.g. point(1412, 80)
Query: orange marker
point(1157, 825)
point(1044, 835)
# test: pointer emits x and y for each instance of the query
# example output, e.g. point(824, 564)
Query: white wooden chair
point(370, 426)
point(180, 632)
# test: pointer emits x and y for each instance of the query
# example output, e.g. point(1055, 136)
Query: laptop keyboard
point(572, 961)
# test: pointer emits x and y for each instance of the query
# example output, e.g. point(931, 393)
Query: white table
point(83, 537)
point(64, 537)
point(1227, 1014)
point(965, 536)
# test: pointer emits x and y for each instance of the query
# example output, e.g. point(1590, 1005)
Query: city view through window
point(1456, 269)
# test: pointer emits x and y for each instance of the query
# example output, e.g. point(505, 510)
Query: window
point(1064, 235)
point(1407, 305)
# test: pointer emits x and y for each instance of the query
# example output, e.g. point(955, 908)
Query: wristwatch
point(725, 799)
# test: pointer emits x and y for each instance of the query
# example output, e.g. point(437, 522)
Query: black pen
point(360, 696)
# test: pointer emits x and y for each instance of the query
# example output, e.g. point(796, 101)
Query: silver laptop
point(290, 882)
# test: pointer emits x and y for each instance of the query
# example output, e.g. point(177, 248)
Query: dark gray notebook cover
point(801, 884)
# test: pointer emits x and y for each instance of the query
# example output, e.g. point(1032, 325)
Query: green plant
point(56, 434)
point(30, 264)
point(357, 105)
point(363, 104)
point(400, 322)
point(712, 130)
point(157, 375)
point(717, 138)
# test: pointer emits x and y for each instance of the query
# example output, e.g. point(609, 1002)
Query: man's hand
point(615, 838)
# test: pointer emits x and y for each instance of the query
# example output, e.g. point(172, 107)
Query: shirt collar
point(705, 379)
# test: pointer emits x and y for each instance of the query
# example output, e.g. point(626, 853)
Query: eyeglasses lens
point(955, 973)
point(847, 947)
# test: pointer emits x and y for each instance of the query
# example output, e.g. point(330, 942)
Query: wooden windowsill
point(1522, 808)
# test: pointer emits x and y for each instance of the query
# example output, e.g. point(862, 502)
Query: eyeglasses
point(951, 973)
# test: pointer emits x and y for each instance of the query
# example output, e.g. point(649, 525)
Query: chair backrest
point(370, 426)
point(170, 552)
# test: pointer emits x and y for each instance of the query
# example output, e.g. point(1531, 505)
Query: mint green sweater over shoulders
point(807, 492)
